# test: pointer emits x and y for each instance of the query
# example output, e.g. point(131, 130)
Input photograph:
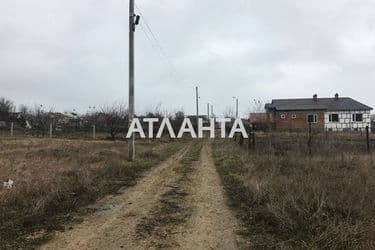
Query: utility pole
point(208, 110)
point(197, 102)
point(133, 21)
point(236, 105)
point(213, 115)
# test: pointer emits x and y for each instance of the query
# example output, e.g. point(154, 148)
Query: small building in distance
point(330, 114)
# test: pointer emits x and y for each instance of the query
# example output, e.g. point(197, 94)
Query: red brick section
point(298, 123)
point(258, 117)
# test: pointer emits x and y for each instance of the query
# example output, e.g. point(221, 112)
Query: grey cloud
point(73, 54)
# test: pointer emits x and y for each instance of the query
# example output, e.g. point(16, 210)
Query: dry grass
point(287, 199)
point(56, 177)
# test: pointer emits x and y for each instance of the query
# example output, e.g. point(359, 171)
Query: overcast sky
point(72, 54)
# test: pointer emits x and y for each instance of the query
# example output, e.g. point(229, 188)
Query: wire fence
point(309, 143)
point(51, 130)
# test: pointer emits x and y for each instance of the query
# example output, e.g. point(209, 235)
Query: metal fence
point(308, 143)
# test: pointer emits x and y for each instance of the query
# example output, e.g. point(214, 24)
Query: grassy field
point(53, 178)
point(287, 198)
point(285, 195)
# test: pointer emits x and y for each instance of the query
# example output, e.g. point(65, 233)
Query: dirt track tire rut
point(113, 226)
point(209, 224)
point(212, 226)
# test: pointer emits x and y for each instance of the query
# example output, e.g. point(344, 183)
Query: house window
point(282, 116)
point(334, 117)
point(294, 116)
point(313, 118)
point(357, 117)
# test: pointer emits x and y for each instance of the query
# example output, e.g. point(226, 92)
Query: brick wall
point(299, 122)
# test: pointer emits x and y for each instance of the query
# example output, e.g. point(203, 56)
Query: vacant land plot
point(75, 194)
point(55, 177)
point(289, 198)
point(178, 205)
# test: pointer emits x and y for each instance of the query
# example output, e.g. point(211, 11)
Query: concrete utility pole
point(133, 21)
point(212, 111)
point(208, 110)
point(236, 105)
point(197, 102)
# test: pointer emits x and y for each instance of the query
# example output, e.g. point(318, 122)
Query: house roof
point(328, 104)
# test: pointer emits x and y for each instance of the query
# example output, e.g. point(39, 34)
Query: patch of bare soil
point(158, 228)
point(212, 225)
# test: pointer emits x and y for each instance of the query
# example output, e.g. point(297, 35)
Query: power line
point(155, 43)
point(148, 38)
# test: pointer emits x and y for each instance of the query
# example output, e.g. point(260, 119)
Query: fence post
point(12, 129)
point(249, 141)
point(253, 140)
point(93, 132)
point(326, 134)
point(50, 130)
point(309, 139)
point(368, 138)
point(241, 140)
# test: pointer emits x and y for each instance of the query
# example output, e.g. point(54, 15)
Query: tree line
point(110, 119)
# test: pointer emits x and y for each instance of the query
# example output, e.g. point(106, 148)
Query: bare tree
point(114, 119)
point(179, 115)
point(177, 120)
point(155, 113)
point(257, 107)
point(6, 106)
point(229, 112)
point(23, 109)
point(40, 120)
point(159, 112)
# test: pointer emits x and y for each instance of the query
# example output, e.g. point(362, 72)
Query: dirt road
point(212, 225)
point(196, 194)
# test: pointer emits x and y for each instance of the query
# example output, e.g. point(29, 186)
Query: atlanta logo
point(186, 128)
